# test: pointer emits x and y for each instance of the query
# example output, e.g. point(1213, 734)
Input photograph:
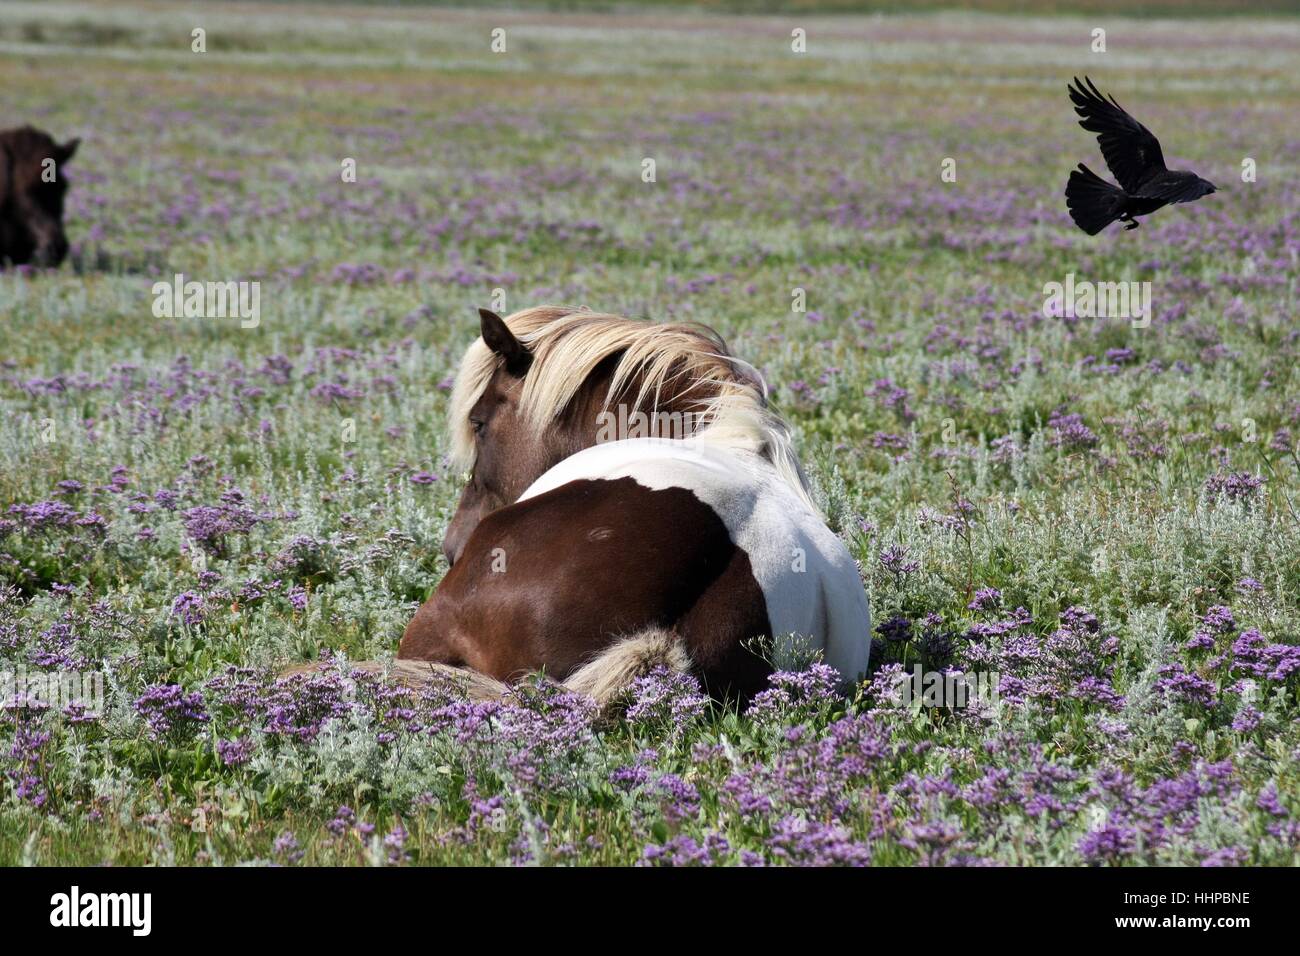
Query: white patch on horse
point(824, 604)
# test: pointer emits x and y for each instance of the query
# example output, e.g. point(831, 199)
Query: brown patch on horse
point(534, 591)
point(32, 189)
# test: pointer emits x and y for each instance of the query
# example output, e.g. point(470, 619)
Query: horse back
point(653, 534)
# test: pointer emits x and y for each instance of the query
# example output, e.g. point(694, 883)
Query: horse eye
point(477, 424)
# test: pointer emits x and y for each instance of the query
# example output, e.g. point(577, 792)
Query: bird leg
point(1131, 223)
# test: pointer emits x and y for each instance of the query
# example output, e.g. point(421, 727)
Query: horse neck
point(578, 426)
point(740, 427)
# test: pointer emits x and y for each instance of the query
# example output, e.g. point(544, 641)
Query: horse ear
point(69, 149)
point(498, 337)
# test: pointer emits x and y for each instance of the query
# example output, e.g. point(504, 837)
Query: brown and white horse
point(593, 555)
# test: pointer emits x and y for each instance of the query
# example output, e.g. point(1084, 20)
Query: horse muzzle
point(50, 253)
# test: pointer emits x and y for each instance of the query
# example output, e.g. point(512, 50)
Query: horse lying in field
point(32, 187)
point(596, 560)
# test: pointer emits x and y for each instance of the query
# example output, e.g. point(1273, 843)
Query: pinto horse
point(594, 556)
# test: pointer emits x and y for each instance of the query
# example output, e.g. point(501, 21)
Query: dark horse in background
point(595, 553)
point(32, 188)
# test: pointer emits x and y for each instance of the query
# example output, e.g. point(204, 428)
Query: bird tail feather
point(1094, 203)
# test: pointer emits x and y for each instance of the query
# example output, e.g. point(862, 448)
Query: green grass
point(522, 172)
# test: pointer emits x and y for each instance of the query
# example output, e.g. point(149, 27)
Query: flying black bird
point(1134, 158)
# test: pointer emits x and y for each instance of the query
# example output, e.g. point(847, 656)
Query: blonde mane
point(673, 362)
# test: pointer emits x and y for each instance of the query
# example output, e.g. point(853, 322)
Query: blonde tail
point(614, 670)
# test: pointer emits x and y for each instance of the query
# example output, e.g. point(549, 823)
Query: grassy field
point(1102, 514)
point(1126, 8)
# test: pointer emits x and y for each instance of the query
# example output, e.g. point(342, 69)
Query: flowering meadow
point(1101, 513)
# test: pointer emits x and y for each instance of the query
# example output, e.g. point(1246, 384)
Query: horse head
point(32, 190)
point(505, 462)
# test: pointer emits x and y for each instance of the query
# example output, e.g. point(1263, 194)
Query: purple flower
point(1237, 485)
point(1219, 618)
point(169, 711)
point(211, 525)
point(1095, 690)
point(234, 753)
point(802, 842)
point(666, 698)
point(986, 599)
point(190, 607)
point(1110, 844)
point(684, 850)
point(1071, 434)
point(344, 819)
point(1253, 656)
point(286, 848)
point(1176, 682)
point(796, 695)
point(1247, 720)
point(896, 629)
point(1268, 801)
point(395, 844)
point(43, 515)
point(895, 561)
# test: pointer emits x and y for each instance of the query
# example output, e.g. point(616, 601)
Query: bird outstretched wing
point(1174, 187)
point(1130, 149)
